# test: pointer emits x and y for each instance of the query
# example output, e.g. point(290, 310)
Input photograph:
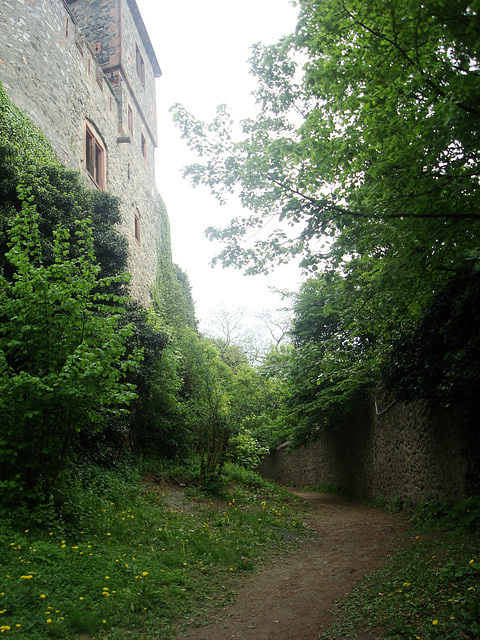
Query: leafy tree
point(61, 197)
point(367, 158)
point(336, 358)
point(62, 355)
point(171, 292)
point(231, 354)
point(439, 359)
point(275, 371)
point(206, 406)
point(246, 450)
point(255, 401)
point(380, 128)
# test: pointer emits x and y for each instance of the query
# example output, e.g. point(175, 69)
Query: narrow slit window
point(136, 228)
point(140, 65)
point(144, 147)
point(130, 119)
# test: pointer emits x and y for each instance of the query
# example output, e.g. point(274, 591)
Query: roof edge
point(145, 37)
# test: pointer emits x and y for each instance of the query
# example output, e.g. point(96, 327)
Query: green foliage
point(232, 354)
point(230, 408)
point(244, 477)
point(335, 361)
point(127, 559)
point(206, 403)
point(380, 127)
point(246, 450)
point(60, 196)
point(441, 514)
point(62, 356)
point(171, 293)
point(154, 424)
point(367, 158)
point(428, 589)
point(16, 128)
point(438, 360)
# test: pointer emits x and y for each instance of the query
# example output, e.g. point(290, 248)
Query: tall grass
point(126, 558)
point(427, 591)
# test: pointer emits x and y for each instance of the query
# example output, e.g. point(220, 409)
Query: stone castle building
point(84, 71)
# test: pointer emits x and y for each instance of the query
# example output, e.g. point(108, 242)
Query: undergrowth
point(428, 591)
point(124, 561)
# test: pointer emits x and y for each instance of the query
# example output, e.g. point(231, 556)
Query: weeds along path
point(293, 598)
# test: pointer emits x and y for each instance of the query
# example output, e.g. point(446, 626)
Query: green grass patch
point(133, 557)
point(427, 591)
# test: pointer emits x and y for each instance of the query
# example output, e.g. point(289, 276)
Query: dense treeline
point(86, 374)
point(365, 151)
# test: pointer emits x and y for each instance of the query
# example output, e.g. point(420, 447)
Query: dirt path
point(292, 599)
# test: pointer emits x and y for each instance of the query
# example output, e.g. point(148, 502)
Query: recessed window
point(130, 119)
point(144, 147)
point(94, 158)
point(136, 229)
point(140, 65)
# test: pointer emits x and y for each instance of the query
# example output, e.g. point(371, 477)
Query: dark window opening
point(130, 119)
point(94, 158)
point(137, 228)
point(140, 65)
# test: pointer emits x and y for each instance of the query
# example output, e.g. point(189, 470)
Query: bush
point(246, 450)
point(62, 356)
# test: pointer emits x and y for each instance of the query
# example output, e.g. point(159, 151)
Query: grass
point(130, 559)
point(429, 590)
point(124, 562)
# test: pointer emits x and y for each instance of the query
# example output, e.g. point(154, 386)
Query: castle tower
point(85, 71)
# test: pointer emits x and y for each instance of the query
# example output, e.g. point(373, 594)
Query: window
point(136, 228)
point(94, 158)
point(130, 119)
point(144, 147)
point(140, 65)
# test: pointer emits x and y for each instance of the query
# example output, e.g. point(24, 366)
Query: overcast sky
point(203, 49)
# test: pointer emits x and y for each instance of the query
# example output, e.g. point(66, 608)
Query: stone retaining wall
point(409, 451)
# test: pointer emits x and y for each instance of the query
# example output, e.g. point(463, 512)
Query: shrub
point(62, 356)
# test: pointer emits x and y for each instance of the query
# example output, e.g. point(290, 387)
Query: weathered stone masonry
point(84, 71)
point(410, 451)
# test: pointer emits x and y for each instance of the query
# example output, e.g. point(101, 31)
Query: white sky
point(202, 49)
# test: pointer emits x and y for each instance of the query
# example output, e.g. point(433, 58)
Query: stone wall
point(409, 451)
point(50, 70)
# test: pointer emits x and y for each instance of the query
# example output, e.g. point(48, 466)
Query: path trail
point(292, 598)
